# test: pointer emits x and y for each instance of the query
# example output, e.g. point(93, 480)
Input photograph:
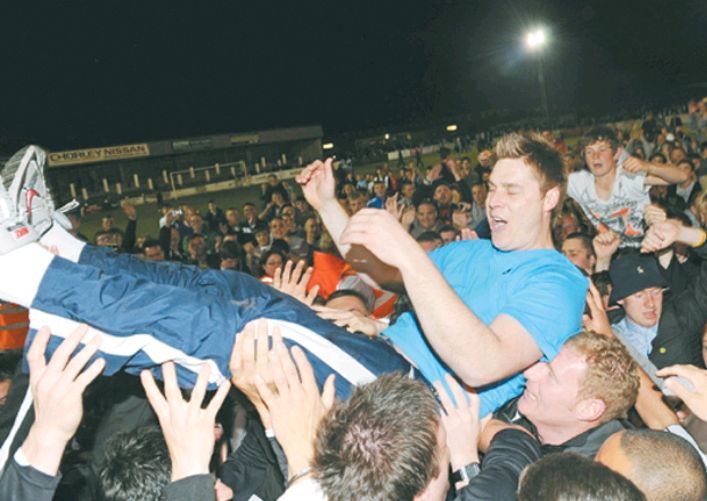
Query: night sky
point(77, 74)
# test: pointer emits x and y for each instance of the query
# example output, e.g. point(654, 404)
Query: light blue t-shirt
point(541, 289)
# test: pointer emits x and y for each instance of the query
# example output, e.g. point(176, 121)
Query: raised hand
point(57, 394)
point(605, 245)
point(295, 405)
point(408, 217)
point(434, 173)
point(294, 282)
point(318, 183)
point(129, 210)
point(661, 236)
point(597, 320)
point(461, 422)
point(250, 356)
point(392, 206)
point(187, 428)
point(654, 214)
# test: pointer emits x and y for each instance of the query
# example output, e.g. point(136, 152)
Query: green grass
point(148, 214)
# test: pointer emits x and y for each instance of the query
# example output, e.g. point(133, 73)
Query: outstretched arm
point(318, 185)
point(57, 389)
point(294, 402)
point(605, 245)
point(656, 174)
point(188, 428)
point(690, 305)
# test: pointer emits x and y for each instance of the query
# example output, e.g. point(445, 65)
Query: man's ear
point(617, 153)
point(590, 409)
point(552, 198)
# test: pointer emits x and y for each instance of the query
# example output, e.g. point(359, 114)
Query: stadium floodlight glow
point(386, 136)
point(452, 128)
point(328, 146)
point(535, 39)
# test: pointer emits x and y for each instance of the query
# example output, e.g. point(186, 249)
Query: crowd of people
point(529, 323)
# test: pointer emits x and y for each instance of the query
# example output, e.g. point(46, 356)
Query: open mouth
point(497, 223)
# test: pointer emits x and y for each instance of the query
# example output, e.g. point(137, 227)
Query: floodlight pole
point(543, 89)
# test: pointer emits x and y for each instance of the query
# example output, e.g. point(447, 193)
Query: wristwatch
point(466, 473)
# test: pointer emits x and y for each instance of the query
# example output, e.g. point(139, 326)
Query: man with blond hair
point(488, 309)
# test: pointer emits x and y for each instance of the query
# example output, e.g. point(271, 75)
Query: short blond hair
point(545, 160)
point(611, 376)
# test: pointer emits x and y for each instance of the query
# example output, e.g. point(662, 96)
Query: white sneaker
point(26, 205)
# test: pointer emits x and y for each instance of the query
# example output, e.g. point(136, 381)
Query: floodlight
point(535, 39)
point(452, 127)
point(328, 146)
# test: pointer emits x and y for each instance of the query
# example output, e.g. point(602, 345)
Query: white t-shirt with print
point(622, 212)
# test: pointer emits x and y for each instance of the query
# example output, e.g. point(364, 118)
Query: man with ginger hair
point(580, 398)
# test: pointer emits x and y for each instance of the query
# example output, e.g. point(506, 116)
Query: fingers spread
point(35, 354)
point(218, 398)
point(171, 389)
point(304, 368)
point(77, 363)
point(199, 390)
point(66, 348)
point(154, 395)
point(87, 376)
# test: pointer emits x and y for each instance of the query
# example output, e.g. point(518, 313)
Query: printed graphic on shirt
point(622, 213)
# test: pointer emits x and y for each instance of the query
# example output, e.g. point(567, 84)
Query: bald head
point(663, 465)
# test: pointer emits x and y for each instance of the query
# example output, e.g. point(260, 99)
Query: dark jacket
point(680, 275)
point(25, 483)
point(199, 487)
point(253, 468)
point(509, 453)
point(679, 338)
point(586, 444)
point(676, 202)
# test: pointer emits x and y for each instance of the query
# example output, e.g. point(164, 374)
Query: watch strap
point(466, 473)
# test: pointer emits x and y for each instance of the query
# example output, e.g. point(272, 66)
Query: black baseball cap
point(633, 273)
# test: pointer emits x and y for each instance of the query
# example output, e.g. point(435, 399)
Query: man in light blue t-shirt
point(484, 311)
